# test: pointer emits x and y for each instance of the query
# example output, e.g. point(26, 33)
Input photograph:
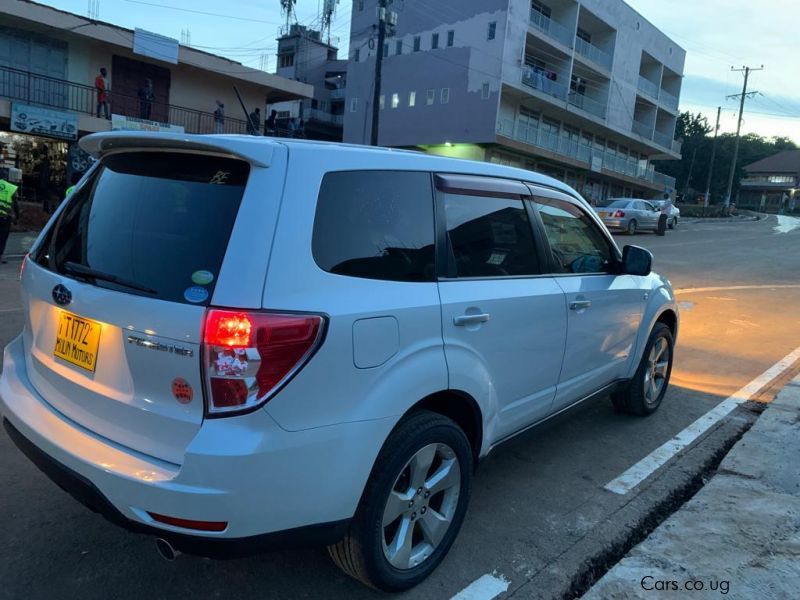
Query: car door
point(649, 213)
point(604, 306)
point(503, 322)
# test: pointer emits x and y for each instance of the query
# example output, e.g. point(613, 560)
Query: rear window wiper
point(77, 269)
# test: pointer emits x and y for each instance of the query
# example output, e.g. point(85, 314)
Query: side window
point(578, 245)
point(376, 225)
point(488, 236)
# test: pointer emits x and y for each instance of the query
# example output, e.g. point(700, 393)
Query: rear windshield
point(617, 204)
point(150, 223)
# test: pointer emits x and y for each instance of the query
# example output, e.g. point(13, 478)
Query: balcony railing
point(668, 100)
point(338, 93)
point(535, 136)
point(648, 88)
point(28, 87)
point(676, 146)
point(642, 129)
point(554, 30)
point(662, 139)
point(593, 53)
point(583, 102)
point(320, 115)
point(538, 80)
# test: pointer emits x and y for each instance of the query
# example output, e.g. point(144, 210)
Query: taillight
point(619, 214)
point(22, 266)
point(250, 355)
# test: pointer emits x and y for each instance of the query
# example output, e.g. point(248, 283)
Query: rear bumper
point(615, 223)
point(243, 470)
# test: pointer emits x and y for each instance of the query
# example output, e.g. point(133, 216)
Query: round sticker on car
point(181, 390)
point(202, 277)
point(195, 294)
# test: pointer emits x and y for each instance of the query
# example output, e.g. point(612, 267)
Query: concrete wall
point(464, 69)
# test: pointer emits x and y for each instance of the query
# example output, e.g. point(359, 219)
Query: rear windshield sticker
point(195, 294)
point(220, 178)
point(202, 277)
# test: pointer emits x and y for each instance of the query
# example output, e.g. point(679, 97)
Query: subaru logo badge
point(62, 295)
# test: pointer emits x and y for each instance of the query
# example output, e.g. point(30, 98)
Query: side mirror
point(636, 260)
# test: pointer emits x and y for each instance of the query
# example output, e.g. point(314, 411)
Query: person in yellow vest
point(9, 210)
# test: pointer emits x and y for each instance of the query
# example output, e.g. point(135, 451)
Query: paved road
point(538, 508)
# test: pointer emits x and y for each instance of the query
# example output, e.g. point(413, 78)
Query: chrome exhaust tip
point(166, 550)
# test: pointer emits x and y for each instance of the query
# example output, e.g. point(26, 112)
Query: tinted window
point(375, 224)
point(488, 237)
point(578, 245)
point(153, 219)
point(618, 204)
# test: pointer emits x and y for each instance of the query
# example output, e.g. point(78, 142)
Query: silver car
point(629, 215)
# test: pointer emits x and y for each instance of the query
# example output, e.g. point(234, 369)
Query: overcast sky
point(716, 35)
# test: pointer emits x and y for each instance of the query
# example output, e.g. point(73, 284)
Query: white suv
point(235, 343)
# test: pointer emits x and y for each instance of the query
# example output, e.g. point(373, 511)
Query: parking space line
point(731, 288)
point(658, 457)
point(483, 588)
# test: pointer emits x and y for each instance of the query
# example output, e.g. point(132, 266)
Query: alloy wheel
point(421, 506)
point(655, 375)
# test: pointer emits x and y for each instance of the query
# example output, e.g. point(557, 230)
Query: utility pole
point(376, 95)
point(711, 163)
point(746, 70)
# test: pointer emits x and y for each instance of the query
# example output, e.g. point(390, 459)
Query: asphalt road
point(538, 510)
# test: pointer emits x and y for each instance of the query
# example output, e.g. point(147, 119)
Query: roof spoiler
point(253, 149)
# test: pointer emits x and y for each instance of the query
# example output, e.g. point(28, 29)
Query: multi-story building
point(772, 184)
point(583, 90)
point(304, 55)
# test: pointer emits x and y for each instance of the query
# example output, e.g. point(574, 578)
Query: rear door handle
point(470, 319)
point(580, 304)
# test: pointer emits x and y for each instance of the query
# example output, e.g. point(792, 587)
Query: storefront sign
point(36, 120)
point(123, 123)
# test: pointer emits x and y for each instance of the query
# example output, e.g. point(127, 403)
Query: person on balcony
point(102, 89)
point(270, 125)
point(219, 118)
point(146, 97)
point(254, 122)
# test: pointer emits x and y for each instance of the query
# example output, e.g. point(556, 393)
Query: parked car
point(260, 342)
point(673, 215)
point(629, 215)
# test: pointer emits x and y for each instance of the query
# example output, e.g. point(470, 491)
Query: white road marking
point(765, 286)
point(483, 588)
point(786, 224)
point(658, 457)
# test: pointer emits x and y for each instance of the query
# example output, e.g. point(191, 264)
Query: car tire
point(674, 223)
point(364, 552)
point(631, 230)
point(644, 393)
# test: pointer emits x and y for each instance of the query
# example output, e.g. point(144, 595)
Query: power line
point(742, 97)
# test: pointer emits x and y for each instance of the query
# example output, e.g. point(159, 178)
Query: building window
point(286, 60)
point(395, 100)
point(434, 41)
point(445, 96)
point(417, 42)
point(323, 105)
point(357, 54)
point(541, 9)
point(584, 35)
point(385, 49)
point(430, 96)
point(353, 104)
point(398, 47)
point(485, 90)
point(382, 102)
point(412, 98)
point(490, 35)
point(451, 37)
point(360, 5)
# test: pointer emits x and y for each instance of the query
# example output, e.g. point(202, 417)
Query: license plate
point(602, 215)
point(77, 340)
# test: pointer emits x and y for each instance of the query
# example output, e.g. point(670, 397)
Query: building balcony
point(315, 114)
point(593, 53)
point(552, 29)
point(338, 93)
point(23, 86)
point(642, 129)
point(538, 80)
point(648, 88)
point(568, 148)
point(598, 109)
point(663, 139)
point(668, 100)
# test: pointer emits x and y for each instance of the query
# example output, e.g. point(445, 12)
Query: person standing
point(146, 97)
point(9, 211)
point(219, 118)
point(663, 218)
point(102, 90)
point(270, 124)
point(254, 122)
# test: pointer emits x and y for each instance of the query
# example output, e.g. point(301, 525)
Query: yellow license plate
point(77, 340)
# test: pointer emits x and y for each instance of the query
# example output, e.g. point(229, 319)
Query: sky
point(716, 34)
